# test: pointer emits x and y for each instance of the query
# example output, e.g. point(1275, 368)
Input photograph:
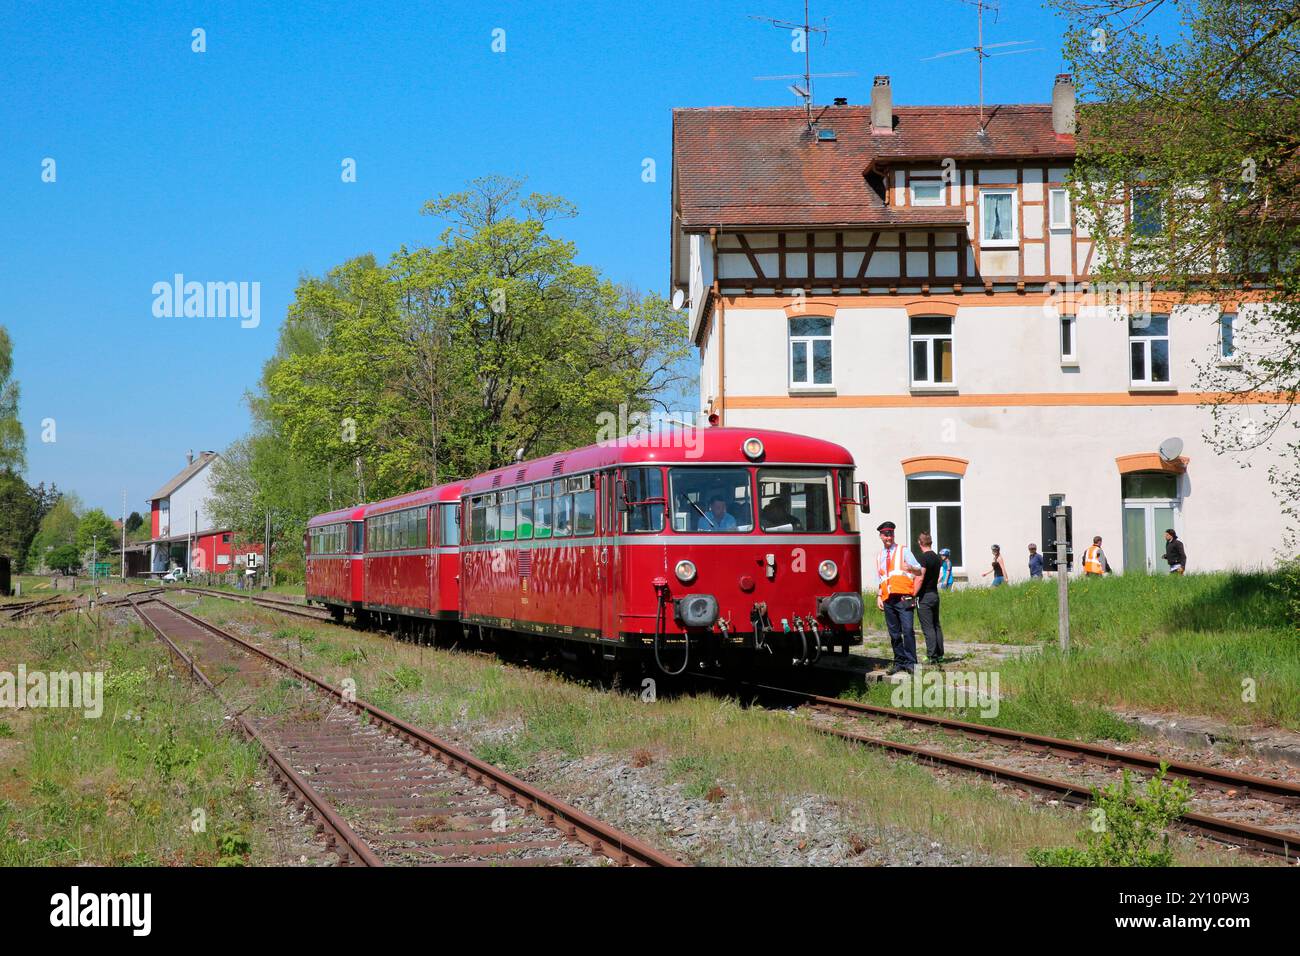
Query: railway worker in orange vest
point(895, 567)
point(1094, 560)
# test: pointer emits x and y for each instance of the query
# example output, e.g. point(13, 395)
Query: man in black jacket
point(1175, 553)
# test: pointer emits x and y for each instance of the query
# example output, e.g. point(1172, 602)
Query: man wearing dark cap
point(896, 567)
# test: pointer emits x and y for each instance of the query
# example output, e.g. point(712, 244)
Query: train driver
point(717, 518)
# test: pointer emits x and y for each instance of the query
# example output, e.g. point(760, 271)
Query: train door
point(609, 555)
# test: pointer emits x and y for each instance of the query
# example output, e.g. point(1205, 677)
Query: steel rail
point(1268, 841)
point(284, 607)
point(600, 837)
point(1277, 790)
point(344, 840)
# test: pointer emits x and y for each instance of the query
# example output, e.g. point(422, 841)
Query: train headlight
point(828, 569)
point(685, 571)
point(753, 449)
point(842, 608)
point(697, 610)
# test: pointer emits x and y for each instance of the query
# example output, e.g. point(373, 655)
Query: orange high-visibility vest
point(894, 578)
point(1092, 560)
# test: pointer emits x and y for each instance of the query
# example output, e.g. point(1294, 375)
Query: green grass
point(122, 789)
point(1195, 645)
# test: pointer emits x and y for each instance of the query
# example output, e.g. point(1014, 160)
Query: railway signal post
point(1062, 571)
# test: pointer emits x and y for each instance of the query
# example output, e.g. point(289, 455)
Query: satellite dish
point(1171, 448)
point(679, 297)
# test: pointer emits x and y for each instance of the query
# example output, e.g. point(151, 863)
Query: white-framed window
point(811, 346)
point(1069, 340)
point(934, 505)
point(927, 192)
point(1148, 344)
point(931, 340)
point(1058, 209)
point(1227, 340)
point(1146, 212)
point(998, 218)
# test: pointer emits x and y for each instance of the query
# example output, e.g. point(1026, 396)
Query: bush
point(1126, 829)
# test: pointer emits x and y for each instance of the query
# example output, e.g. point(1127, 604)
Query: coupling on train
point(742, 544)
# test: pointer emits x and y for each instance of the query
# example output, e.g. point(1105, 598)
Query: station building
point(900, 279)
point(182, 532)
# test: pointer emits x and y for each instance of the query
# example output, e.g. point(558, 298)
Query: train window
point(450, 527)
point(644, 488)
point(712, 499)
point(542, 510)
point(508, 515)
point(584, 511)
point(478, 520)
point(795, 499)
point(524, 514)
point(848, 501)
point(493, 518)
point(562, 511)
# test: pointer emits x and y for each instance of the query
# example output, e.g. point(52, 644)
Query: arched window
point(934, 505)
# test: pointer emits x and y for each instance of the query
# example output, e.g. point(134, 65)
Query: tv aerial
point(980, 49)
point(804, 90)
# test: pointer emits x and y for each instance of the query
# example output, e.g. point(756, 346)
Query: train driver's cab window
point(795, 499)
point(643, 490)
point(712, 500)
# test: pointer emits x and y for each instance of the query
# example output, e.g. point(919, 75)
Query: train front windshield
point(720, 500)
point(715, 500)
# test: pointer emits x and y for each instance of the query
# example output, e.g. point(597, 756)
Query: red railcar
point(708, 542)
point(411, 557)
point(332, 549)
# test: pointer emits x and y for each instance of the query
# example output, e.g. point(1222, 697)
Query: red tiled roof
point(740, 166)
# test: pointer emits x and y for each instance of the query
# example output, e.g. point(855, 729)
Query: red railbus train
point(332, 549)
point(412, 559)
point(714, 543)
point(741, 540)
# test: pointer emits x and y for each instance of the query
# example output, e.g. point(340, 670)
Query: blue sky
point(225, 166)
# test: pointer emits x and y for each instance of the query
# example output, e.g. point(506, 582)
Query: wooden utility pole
point(266, 558)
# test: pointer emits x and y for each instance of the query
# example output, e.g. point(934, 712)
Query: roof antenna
point(804, 92)
point(980, 47)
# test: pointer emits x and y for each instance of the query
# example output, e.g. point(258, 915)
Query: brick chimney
point(882, 106)
point(189, 458)
point(1063, 105)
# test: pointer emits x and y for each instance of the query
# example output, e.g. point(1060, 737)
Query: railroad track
point(1224, 783)
point(274, 604)
point(383, 791)
point(62, 603)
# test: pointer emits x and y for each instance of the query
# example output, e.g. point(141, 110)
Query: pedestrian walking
point(1094, 560)
point(1175, 553)
point(999, 568)
point(1035, 563)
point(927, 600)
point(895, 566)
point(945, 570)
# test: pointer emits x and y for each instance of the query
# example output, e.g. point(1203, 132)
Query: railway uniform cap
point(886, 526)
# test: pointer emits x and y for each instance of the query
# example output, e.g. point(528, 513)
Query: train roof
point(350, 513)
point(697, 446)
point(414, 499)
